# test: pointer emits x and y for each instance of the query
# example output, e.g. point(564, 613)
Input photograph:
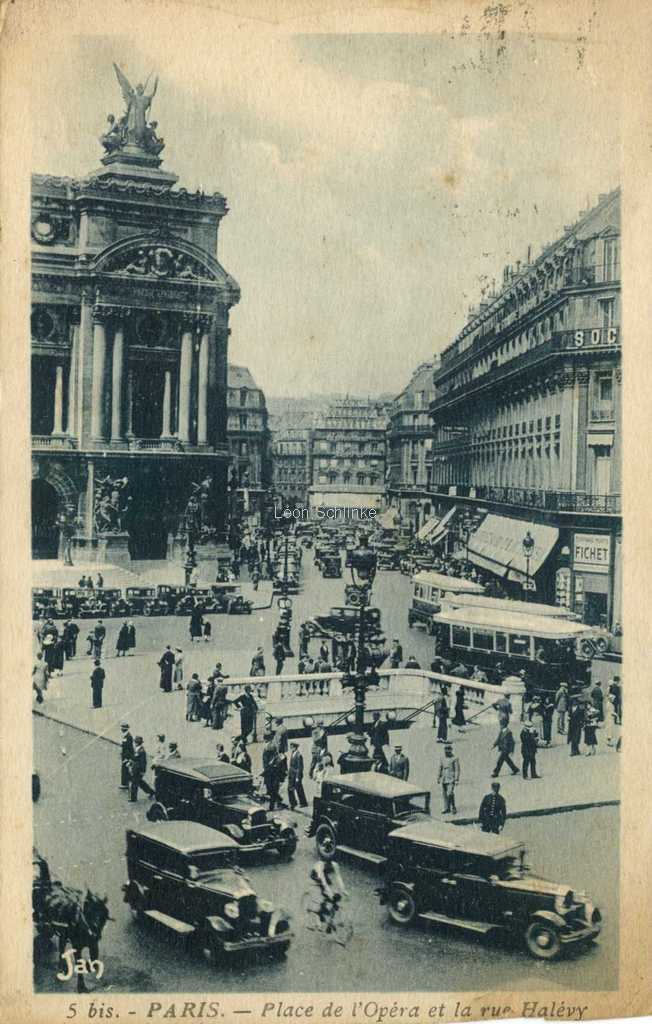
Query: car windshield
point(410, 804)
point(214, 860)
point(511, 868)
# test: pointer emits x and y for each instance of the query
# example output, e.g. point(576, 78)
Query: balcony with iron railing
point(591, 275)
point(532, 498)
point(143, 445)
point(580, 343)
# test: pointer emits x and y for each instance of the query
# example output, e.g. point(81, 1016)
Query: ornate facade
point(409, 448)
point(129, 334)
point(347, 455)
point(527, 409)
point(249, 445)
point(291, 467)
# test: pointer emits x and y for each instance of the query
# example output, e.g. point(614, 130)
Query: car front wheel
point(542, 940)
point(402, 908)
point(157, 812)
point(210, 947)
point(326, 841)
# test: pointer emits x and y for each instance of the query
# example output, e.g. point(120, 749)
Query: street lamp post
point(528, 550)
point(465, 536)
point(363, 571)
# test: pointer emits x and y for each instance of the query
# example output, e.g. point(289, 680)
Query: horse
point(75, 918)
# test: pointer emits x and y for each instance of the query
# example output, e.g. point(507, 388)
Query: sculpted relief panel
point(159, 261)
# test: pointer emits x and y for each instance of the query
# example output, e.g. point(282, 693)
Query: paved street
point(79, 826)
point(132, 692)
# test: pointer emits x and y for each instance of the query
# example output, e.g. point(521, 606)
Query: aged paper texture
point(339, 703)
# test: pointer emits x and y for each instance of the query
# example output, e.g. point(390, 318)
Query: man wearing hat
point(396, 656)
point(137, 770)
point(295, 777)
point(493, 810)
point(399, 765)
point(126, 754)
point(449, 776)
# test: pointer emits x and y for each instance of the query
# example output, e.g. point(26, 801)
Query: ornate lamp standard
point(363, 571)
point(465, 535)
point(191, 522)
point(528, 551)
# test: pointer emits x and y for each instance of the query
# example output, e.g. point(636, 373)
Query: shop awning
point(497, 545)
point(427, 528)
point(442, 526)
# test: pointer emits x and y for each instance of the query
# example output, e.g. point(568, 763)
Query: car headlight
point(232, 910)
point(246, 823)
point(277, 821)
point(565, 902)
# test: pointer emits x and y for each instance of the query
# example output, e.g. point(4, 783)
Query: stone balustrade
point(413, 687)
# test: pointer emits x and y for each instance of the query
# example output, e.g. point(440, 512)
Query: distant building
point(527, 419)
point(291, 467)
point(249, 445)
point(409, 448)
point(347, 455)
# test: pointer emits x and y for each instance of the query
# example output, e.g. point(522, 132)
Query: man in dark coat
point(493, 810)
point(379, 736)
point(529, 745)
point(575, 725)
point(279, 656)
point(248, 710)
point(295, 777)
point(70, 634)
point(399, 765)
point(137, 769)
point(99, 634)
point(131, 636)
point(166, 665)
point(271, 770)
point(126, 754)
point(97, 683)
point(505, 744)
point(396, 654)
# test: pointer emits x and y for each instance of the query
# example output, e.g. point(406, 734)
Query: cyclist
point(328, 879)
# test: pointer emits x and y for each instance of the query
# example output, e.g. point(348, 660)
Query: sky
point(376, 182)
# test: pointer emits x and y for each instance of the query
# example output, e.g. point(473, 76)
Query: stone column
point(72, 374)
point(99, 367)
point(202, 389)
point(130, 404)
point(58, 400)
point(185, 378)
point(116, 382)
point(167, 405)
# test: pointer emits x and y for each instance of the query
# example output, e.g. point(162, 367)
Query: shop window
point(501, 643)
point(461, 636)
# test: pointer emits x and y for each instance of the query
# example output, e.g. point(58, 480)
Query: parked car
point(46, 603)
point(221, 796)
point(480, 882)
point(143, 601)
point(355, 813)
point(184, 875)
point(170, 595)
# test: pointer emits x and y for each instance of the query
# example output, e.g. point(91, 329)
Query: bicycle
point(331, 920)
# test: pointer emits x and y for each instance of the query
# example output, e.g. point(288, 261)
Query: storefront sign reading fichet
point(592, 552)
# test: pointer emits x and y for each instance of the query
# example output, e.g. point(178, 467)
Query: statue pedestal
point(107, 548)
point(212, 551)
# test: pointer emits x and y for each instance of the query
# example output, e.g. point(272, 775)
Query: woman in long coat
point(131, 637)
point(178, 667)
point(441, 715)
point(122, 643)
point(196, 627)
point(458, 719)
point(166, 665)
point(193, 699)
